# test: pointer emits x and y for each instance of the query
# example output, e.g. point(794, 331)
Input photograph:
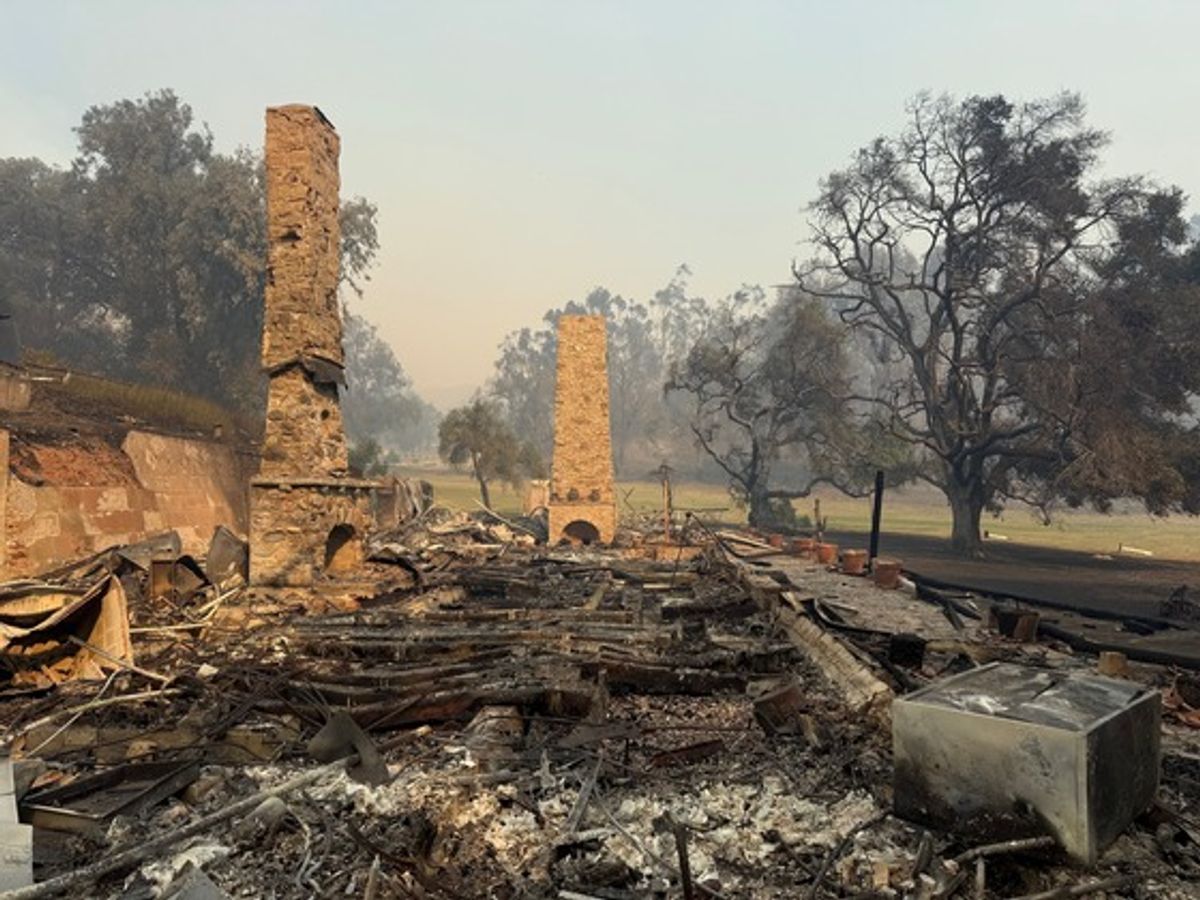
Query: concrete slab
point(16, 856)
point(8, 792)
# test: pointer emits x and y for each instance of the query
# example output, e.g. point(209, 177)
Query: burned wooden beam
point(628, 676)
point(688, 754)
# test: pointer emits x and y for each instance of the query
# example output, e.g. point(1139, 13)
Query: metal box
point(1006, 751)
point(88, 804)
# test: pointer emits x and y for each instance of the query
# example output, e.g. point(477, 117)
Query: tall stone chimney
point(583, 506)
point(307, 518)
point(302, 324)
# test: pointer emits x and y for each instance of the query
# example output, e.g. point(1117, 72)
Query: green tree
point(1015, 293)
point(767, 383)
point(477, 434)
point(367, 458)
point(146, 259)
point(43, 243)
point(523, 384)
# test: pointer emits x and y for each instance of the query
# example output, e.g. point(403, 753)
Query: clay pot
point(804, 547)
point(776, 541)
point(887, 573)
point(854, 562)
point(827, 554)
point(1113, 664)
point(1012, 622)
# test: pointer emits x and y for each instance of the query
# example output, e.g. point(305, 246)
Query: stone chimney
point(302, 323)
point(583, 507)
point(307, 518)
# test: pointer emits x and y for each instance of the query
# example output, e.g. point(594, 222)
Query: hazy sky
point(522, 153)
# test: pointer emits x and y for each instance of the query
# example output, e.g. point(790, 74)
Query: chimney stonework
point(302, 325)
point(582, 494)
point(3, 503)
point(307, 519)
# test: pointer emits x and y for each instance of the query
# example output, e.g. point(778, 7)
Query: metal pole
point(876, 515)
point(664, 474)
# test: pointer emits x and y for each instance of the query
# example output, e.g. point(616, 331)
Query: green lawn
point(907, 511)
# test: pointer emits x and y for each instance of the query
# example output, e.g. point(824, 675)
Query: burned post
point(876, 518)
point(583, 506)
point(307, 518)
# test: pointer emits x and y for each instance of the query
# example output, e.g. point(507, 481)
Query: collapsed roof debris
point(68, 635)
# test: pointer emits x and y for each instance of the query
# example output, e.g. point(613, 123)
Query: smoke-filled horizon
point(523, 153)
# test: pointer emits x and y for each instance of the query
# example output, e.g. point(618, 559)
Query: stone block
point(15, 389)
point(307, 519)
point(304, 434)
point(16, 856)
point(583, 523)
point(302, 327)
point(301, 314)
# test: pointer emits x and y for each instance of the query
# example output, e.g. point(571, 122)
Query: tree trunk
point(760, 508)
point(483, 487)
point(966, 508)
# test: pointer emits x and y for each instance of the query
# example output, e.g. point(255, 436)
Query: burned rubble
point(549, 721)
point(377, 696)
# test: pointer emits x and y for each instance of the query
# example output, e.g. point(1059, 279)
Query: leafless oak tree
point(977, 250)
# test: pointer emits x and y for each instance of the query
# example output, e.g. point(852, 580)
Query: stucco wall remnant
point(581, 476)
point(301, 503)
point(83, 501)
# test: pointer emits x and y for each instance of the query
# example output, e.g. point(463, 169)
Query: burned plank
point(623, 676)
point(687, 754)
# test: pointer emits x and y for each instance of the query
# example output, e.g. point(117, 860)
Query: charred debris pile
point(475, 714)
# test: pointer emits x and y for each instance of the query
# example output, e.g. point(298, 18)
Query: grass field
point(907, 511)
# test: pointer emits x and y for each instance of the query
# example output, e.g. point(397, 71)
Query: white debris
point(200, 854)
point(738, 824)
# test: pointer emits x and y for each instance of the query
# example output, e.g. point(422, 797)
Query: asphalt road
point(1122, 585)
